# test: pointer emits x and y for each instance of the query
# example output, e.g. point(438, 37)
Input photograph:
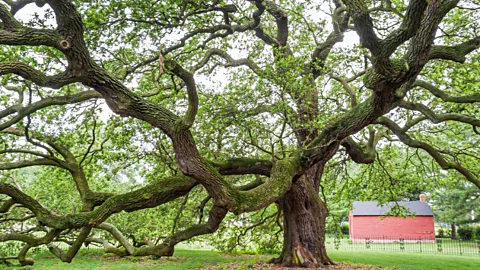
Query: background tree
point(293, 100)
point(457, 206)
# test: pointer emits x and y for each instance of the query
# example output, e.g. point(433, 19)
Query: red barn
point(367, 220)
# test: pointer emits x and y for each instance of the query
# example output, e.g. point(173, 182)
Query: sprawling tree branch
point(421, 44)
point(340, 25)
point(36, 76)
point(438, 118)
point(149, 196)
point(74, 248)
point(436, 155)
point(444, 96)
point(217, 214)
point(230, 62)
point(455, 53)
point(187, 77)
point(281, 20)
point(23, 111)
point(357, 153)
point(241, 166)
point(363, 25)
point(7, 18)
point(213, 31)
point(407, 29)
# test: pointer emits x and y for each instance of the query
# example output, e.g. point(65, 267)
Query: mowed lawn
point(193, 259)
point(407, 261)
point(183, 259)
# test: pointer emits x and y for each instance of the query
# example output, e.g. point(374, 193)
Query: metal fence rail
point(439, 245)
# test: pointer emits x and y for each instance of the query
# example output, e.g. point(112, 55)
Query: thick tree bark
point(304, 223)
point(454, 231)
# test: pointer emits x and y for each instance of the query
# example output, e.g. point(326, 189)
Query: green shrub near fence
point(477, 232)
point(441, 233)
point(469, 232)
point(465, 232)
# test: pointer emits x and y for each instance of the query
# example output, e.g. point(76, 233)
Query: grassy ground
point(193, 259)
point(407, 261)
point(183, 259)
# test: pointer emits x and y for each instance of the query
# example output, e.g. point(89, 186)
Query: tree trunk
point(454, 231)
point(304, 224)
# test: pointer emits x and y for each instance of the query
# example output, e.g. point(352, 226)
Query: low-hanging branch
point(149, 196)
point(216, 215)
point(30, 241)
point(74, 248)
point(241, 166)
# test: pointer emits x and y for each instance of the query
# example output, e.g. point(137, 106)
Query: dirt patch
point(233, 255)
point(267, 266)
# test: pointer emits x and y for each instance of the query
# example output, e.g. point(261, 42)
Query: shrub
point(448, 233)
point(345, 230)
point(465, 232)
point(476, 232)
point(440, 233)
point(444, 233)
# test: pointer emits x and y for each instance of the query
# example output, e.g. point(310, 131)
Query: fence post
point(383, 242)
point(367, 243)
point(402, 244)
point(420, 244)
point(439, 245)
point(460, 243)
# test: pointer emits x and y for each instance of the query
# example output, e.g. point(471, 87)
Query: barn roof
point(373, 209)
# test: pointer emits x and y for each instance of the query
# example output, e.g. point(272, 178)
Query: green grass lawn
point(407, 261)
point(193, 259)
point(183, 259)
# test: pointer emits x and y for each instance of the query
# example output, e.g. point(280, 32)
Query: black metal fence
point(439, 245)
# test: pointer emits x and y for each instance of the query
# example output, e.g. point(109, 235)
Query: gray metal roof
point(373, 209)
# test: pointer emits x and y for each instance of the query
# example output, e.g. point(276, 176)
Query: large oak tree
point(267, 90)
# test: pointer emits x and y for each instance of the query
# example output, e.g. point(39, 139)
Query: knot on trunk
point(64, 44)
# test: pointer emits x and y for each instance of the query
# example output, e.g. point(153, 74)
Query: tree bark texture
point(454, 231)
point(304, 223)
